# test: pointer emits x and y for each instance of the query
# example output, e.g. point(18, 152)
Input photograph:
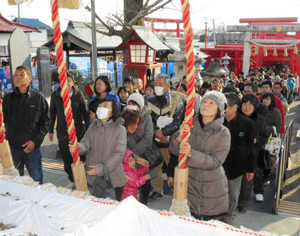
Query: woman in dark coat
point(248, 108)
point(273, 121)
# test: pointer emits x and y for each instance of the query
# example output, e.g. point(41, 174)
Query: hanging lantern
point(285, 52)
point(265, 52)
point(70, 4)
point(256, 50)
point(275, 52)
point(296, 49)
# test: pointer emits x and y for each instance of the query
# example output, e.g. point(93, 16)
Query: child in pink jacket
point(136, 177)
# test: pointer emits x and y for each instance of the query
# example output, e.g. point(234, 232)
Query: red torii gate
point(163, 20)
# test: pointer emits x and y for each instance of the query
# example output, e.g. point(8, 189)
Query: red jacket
point(279, 106)
point(131, 188)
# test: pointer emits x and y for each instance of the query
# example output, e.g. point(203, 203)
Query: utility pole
point(214, 31)
point(94, 43)
point(205, 21)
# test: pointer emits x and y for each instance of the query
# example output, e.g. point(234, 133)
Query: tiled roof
point(8, 26)
point(150, 38)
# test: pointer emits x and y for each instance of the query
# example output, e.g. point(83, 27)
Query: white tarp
point(46, 213)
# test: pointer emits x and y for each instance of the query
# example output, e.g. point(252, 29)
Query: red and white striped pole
point(179, 203)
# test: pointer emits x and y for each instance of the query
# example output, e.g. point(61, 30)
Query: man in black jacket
point(26, 120)
point(80, 115)
point(240, 159)
point(167, 116)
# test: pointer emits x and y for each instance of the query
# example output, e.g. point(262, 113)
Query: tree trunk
point(131, 9)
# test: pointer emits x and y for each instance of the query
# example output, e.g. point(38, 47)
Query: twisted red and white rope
point(62, 79)
point(190, 58)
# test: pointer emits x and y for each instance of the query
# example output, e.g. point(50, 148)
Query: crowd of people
point(136, 133)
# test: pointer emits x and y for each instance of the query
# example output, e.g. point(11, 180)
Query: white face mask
point(158, 90)
point(131, 107)
point(102, 113)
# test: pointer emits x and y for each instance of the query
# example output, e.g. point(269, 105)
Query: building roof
point(78, 36)
point(103, 41)
point(148, 37)
point(7, 26)
point(32, 22)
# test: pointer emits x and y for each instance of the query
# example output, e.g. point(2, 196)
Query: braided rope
point(62, 78)
point(190, 58)
point(2, 130)
point(275, 46)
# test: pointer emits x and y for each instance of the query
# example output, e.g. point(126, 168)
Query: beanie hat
point(138, 98)
point(218, 97)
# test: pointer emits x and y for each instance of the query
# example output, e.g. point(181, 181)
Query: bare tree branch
point(122, 23)
point(146, 4)
point(148, 10)
point(99, 19)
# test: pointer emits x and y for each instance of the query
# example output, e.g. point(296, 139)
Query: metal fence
point(283, 164)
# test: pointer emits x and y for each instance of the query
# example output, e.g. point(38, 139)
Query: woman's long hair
point(253, 100)
point(273, 102)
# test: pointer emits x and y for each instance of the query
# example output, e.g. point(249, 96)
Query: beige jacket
point(208, 186)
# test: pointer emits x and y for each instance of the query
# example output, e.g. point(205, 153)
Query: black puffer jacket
point(240, 159)
point(79, 114)
point(25, 117)
point(161, 106)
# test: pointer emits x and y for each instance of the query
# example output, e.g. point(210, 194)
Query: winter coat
point(131, 188)
point(260, 134)
point(207, 185)
point(274, 119)
point(25, 117)
point(142, 138)
point(161, 106)
point(240, 159)
point(57, 110)
point(280, 108)
point(106, 143)
point(109, 95)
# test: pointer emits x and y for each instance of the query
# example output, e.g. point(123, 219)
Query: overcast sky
point(223, 11)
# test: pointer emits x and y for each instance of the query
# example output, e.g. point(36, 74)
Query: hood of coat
point(126, 160)
point(144, 112)
point(215, 124)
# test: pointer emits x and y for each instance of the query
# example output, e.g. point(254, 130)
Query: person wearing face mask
point(167, 115)
point(105, 140)
point(57, 110)
point(26, 120)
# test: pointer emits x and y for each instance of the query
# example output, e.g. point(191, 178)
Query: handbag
point(102, 187)
point(274, 144)
point(153, 156)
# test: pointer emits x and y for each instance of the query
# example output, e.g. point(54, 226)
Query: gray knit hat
point(138, 98)
point(219, 99)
